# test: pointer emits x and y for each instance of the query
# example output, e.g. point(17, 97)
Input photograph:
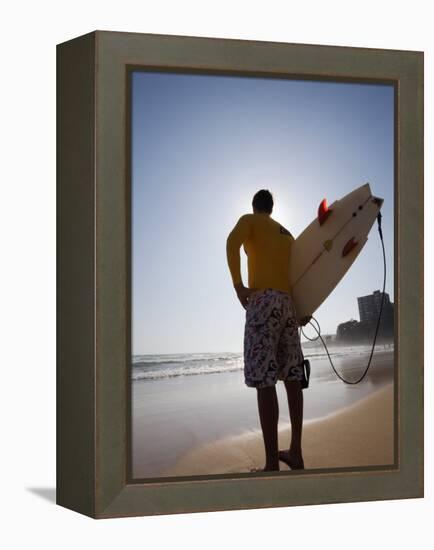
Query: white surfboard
point(325, 250)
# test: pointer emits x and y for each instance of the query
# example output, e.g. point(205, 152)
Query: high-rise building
point(369, 306)
point(365, 329)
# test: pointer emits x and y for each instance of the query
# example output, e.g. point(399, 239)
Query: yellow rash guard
point(267, 245)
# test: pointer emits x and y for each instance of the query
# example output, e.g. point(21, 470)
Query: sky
point(202, 145)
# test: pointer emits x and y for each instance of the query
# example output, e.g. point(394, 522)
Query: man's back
point(268, 246)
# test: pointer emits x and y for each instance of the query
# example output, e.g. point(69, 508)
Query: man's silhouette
point(272, 349)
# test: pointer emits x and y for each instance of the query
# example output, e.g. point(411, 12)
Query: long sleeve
point(236, 238)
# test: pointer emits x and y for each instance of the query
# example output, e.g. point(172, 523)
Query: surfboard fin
point(323, 211)
point(352, 243)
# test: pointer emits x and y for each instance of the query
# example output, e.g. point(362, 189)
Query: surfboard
point(326, 249)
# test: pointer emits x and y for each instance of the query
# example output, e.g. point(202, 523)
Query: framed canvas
point(162, 142)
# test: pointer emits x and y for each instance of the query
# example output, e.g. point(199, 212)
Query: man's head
point(263, 202)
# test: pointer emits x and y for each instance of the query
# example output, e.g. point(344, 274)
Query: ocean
point(161, 366)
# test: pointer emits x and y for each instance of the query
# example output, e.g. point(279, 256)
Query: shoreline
point(360, 434)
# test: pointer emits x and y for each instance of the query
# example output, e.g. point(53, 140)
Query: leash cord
point(318, 330)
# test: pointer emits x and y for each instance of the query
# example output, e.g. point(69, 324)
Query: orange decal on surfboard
point(323, 211)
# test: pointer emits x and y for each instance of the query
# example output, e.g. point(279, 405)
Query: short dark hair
point(263, 201)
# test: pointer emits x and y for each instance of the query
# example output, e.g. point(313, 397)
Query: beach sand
point(358, 435)
point(174, 417)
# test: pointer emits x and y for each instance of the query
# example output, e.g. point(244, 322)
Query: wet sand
point(359, 435)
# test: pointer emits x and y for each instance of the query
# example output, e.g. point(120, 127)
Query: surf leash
point(318, 328)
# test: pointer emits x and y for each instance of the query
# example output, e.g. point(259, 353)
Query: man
point(272, 349)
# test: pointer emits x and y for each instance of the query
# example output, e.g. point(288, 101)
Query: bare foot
point(295, 462)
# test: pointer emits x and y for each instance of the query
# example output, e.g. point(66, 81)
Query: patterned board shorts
point(272, 349)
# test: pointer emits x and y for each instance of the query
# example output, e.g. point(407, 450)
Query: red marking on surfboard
point(352, 243)
point(323, 211)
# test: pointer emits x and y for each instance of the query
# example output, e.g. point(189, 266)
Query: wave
point(187, 371)
point(190, 358)
point(157, 367)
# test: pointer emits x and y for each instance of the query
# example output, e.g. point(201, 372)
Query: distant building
point(369, 310)
point(369, 306)
point(347, 331)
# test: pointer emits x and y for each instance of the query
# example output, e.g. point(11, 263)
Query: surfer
point(272, 349)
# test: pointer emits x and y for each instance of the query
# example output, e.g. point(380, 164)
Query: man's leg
point(293, 456)
point(268, 408)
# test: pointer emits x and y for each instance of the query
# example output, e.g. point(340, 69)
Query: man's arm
point(237, 237)
point(239, 234)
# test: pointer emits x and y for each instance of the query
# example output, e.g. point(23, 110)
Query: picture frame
point(93, 274)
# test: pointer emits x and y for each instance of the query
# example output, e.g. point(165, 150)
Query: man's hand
point(304, 320)
point(243, 294)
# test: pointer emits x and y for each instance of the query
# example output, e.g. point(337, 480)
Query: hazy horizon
point(335, 343)
point(202, 145)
